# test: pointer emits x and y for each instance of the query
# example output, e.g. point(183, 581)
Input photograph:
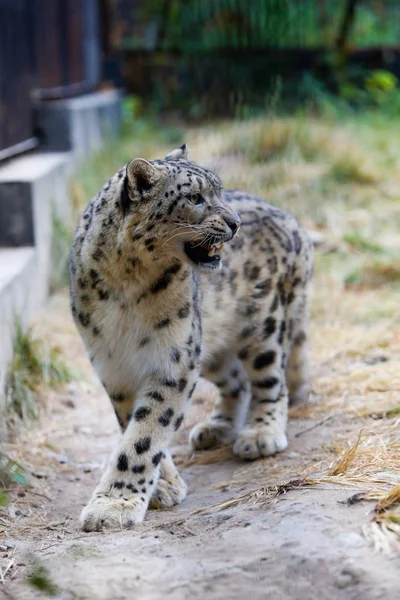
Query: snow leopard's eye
point(197, 199)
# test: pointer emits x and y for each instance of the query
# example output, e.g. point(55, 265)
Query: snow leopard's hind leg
point(233, 388)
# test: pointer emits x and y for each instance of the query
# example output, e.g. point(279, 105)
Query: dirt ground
point(303, 544)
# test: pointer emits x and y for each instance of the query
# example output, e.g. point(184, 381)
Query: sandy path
point(306, 544)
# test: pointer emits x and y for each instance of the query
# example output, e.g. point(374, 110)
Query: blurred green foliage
point(381, 82)
point(205, 25)
point(220, 57)
point(372, 91)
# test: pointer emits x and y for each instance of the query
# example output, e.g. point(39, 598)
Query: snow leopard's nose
point(233, 222)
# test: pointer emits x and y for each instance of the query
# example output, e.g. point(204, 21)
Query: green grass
point(34, 365)
point(300, 138)
point(358, 241)
point(374, 274)
point(39, 578)
point(62, 236)
point(352, 169)
point(11, 473)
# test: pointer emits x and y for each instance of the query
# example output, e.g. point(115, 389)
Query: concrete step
point(78, 125)
point(20, 297)
point(33, 189)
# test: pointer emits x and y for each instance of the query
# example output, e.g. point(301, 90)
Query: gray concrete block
point(80, 125)
point(52, 127)
point(32, 189)
point(20, 298)
point(16, 223)
point(18, 294)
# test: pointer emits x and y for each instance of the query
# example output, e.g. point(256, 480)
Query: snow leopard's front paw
point(210, 434)
point(106, 511)
point(169, 492)
point(255, 442)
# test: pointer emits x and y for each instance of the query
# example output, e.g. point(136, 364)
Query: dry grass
point(388, 500)
point(34, 367)
point(374, 275)
point(353, 168)
point(347, 460)
point(262, 495)
point(374, 459)
point(298, 138)
point(384, 534)
point(208, 457)
point(373, 464)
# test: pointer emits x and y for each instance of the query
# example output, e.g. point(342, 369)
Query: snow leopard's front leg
point(171, 489)
point(125, 489)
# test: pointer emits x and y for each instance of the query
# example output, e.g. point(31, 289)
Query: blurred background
point(197, 58)
point(217, 57)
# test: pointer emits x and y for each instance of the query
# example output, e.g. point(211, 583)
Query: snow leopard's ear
point(181, 153)
point(140, 178)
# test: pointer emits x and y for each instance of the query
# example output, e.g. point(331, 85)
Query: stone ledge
point(78, 125)
point(12, 263)
point(32, 189)
point(20, 298)
point(31, 166)
point(93, 100)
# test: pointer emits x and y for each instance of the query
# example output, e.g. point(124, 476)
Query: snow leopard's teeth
point(215, 249)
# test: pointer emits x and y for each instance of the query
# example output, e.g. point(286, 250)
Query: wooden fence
point(49, 49)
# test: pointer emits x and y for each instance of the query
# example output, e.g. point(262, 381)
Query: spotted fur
point(153, 320)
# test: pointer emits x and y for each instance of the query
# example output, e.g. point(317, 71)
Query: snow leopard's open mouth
point(207, 254)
